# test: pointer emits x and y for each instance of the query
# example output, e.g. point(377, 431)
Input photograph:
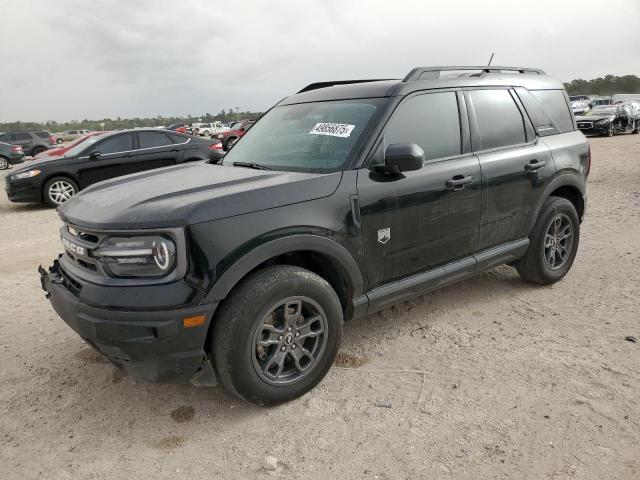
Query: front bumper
point(151, 345)
point(25, 190)
point(595, 129)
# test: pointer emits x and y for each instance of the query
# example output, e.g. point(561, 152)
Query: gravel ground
point(490, 378)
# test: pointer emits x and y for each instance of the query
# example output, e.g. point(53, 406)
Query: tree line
point(604, 86)
point(117, 123)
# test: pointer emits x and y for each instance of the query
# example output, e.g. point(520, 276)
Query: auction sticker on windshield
point(332, 129)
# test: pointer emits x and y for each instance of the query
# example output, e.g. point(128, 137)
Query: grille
point(585, 124)
point(74, 287)
point(88, 240)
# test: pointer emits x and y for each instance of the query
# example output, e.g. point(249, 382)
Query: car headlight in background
point(27, 174)
point(143, 256)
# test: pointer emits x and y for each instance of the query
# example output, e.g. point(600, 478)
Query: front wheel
point(58, 190)
point(611, 131)
point(277, 334)
point(553, 243)
point(4, 163)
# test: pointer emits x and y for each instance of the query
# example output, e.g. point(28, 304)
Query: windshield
point(315, 137)
point(236, 126)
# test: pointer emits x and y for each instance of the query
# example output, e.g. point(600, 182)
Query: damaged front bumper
point(153, 345)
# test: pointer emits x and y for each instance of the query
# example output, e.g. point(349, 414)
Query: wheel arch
point(323, 256)
point(48, 177)
point(566, 186)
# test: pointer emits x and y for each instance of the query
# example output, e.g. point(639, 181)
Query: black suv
point(54, 180)
point(342, 200)
point(32, 142)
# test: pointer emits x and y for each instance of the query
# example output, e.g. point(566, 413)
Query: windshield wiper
point(255, 166)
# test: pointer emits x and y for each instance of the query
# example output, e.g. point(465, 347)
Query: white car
point(207, 129)
point(579, 108)
point(73, 134)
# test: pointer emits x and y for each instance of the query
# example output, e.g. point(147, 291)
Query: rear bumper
point(16, 159)
point(151, 345)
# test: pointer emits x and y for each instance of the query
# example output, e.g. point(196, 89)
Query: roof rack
point(432, 73)
point(317, 85)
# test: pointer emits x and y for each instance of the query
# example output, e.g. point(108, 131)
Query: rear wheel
point(59, 141)
point(58, 190)
point(4, 163)
point(277, 334)
point(554, 243)
point(38, 150)
point(636, 126)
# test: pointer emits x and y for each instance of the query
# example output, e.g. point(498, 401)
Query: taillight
point(16, 148)
point(52, 140)
point(216, 146)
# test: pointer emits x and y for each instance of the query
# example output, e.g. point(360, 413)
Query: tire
point(205, 133)
point(58, 190)
point(536, 266)
point(636, 126)
point(59, 141)
point(4, 163)
point(230, 142)
point(611, 131)
point(37, 150)
point(250, 333)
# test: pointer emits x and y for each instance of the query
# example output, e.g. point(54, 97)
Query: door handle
point(534, 165)
point(458, 182)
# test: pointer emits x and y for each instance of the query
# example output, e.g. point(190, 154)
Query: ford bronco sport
point(343, 199)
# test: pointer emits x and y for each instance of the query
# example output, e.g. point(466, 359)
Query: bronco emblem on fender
point(384, 235)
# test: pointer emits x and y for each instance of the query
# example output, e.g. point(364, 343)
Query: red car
point(177, 127)
point(60, 151)
point(237, 130)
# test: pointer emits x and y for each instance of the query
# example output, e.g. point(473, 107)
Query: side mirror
point(94, 155)
point(403, 157)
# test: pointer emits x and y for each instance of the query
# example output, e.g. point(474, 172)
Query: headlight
point(143, 256)
point(27, 174)
point(604, 120)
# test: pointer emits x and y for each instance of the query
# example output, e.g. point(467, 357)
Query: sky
point(73, 59)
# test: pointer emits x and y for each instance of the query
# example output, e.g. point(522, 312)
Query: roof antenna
point(491, 59)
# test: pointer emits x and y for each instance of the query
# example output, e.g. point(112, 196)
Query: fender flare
point(562, 180)
point(340, 257)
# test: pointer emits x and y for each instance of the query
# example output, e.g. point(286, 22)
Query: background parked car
point(100, 157)
point(73, 134)
point(579, 108)
point(237, 130)
point(579, 98)
point(32, 142)
point(610, 119)
point(178, 127)
point(60, 151)
point(599, 102)
point(12, 154)
point(207, 129)
point(57, 137)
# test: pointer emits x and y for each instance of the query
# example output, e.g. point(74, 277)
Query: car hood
point(190, 193)
point(39, 162)
point(593, 118)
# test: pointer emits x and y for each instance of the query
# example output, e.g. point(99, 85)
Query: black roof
point(423, 78)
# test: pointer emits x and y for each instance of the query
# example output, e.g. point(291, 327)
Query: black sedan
point(112, 154)
point(610, 119)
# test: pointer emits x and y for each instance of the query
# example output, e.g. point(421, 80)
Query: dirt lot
point(490, 378)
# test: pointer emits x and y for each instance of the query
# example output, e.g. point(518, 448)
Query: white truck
point(207, 129)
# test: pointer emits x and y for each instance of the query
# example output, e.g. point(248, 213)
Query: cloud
point(73, 59)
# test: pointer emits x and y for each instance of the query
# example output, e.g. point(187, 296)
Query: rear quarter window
point(555, 105)
point(43, 134)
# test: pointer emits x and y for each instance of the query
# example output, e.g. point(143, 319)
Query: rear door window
point(153, 139)
point(21, 136)
point(498, 118)
point(555, 106)
point(432, 121)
